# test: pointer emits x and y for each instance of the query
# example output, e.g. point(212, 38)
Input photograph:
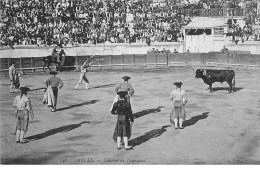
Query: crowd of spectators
point(72, 22)
point(240, 32)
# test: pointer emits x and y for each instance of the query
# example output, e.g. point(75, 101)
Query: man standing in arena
point(125, 86)
point(178, 113)
point(12, 73)
point(55, 83)
point(23, 107)
point(84, 69)
point(127, 89)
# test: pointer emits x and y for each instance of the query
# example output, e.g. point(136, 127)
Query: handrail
point(237, 61)
point(217, 12)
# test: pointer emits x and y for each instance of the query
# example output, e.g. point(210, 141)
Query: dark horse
point(47, 61)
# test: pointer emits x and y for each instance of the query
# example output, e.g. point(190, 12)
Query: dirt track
point(221, 128)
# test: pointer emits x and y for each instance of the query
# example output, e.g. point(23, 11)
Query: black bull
point(209, 76)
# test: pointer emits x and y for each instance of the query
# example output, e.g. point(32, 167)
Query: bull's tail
point(234, 81)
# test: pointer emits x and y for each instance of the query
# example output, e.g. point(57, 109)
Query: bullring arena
point(220, 128)
point(156, 43)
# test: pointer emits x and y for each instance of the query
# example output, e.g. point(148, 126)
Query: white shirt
point(179, 95)
point(23, 103)
point(11, 72)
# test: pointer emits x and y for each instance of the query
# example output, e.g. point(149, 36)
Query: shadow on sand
point(235, 89)
point(55, 131)
point(102, 86)
point(28, 159)
point(193, 120)
point(147, 111)
point(42, 88)
point(147, 136)
point(77, 105)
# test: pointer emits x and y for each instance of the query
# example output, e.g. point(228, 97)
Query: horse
point(47, 61)
point(56, 58)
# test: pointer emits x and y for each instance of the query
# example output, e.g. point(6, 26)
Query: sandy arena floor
point(221, 128)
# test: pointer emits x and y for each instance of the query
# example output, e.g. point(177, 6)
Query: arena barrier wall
point(161, 59)
point(88, 49)
point(128, 60)
point(210, 59)
point(117, 60)
point(177, 59)
point(140, 59)
point(196, 59)
point(216, 59)
point(151, 59)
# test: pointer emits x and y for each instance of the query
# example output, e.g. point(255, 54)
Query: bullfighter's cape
point(48, 98)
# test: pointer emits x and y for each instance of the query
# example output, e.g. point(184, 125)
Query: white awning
point(205, 22)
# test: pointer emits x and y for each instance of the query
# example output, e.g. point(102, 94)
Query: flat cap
point(125, 78)
point(179, 84)
point(24, 89)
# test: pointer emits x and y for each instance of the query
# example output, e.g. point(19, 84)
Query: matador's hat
point(125, 78)
point(53, 73)
point(178, 84)
point(24, 89)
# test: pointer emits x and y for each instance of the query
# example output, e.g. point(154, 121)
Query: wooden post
point(145, 59)
point(32, 64)
point(8, 62)
point(167, 59)
point(20, 63)
point(123, 60)
point(99, 62)
point(186, 59)
point(134, 60)
point(111, 61)
point(76, 63)
point(156, 60)
point(21, 68)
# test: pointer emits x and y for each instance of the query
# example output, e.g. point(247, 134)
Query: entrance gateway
point(203, 34)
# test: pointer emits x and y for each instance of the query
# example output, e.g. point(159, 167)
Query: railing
point(223, 60)
point(215, 12)
point(229, 12)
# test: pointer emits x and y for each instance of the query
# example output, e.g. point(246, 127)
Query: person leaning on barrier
point(23, 108)
point(55, 83)
point(224, 49)
point(175, 51)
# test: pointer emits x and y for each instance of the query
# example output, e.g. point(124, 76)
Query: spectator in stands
point(175, 51)
point(224, 49)
point(72, 22)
